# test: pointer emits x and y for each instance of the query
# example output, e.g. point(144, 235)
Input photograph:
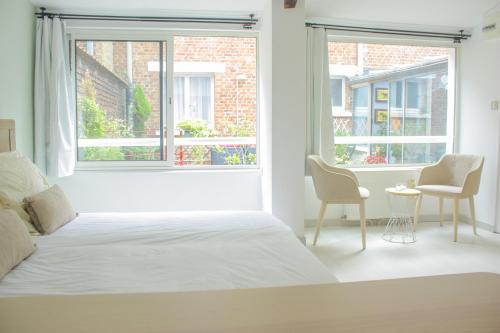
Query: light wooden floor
point(434, 253)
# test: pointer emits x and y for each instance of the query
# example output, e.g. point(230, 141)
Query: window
point(183, 101)
point(337, 93)
point(193, 98)
point(398, 100)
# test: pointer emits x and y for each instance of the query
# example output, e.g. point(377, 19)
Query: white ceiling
point(447, 13)
point(450, 13)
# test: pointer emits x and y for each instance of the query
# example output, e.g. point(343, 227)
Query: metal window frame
point(167, 37)
point(453, 93)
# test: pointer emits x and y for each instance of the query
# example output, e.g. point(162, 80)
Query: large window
point(397, 103)
point(183, 101)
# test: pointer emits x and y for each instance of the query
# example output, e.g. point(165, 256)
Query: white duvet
point(163, 252)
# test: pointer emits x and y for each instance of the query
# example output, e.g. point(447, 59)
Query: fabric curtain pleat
point(55, 151)
point(320, 131)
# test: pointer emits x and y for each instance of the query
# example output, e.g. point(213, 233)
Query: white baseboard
point(383, 221)
point(480, 225)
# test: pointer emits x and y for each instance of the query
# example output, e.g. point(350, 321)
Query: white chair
point(455, 177)
point(337, 186)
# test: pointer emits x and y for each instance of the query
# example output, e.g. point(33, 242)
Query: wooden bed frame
point(449, 303)
point(7, 135)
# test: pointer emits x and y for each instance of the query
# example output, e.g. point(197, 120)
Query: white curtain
point(320, 135)
point(54, 108)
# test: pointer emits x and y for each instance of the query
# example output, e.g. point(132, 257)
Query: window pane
point(396, 108)
point(427, 104)
point(388, 154)
point(390, 91)
point(360, 115)
point(118, 100)
point(215, 100)
point(418, 153)
point(200, 93)
point(336, 86)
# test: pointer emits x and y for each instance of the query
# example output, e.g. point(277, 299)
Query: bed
point(164, 252)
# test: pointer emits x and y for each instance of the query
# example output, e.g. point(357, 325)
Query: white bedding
point(163, 252)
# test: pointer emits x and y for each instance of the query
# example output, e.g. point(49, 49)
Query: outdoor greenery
point(343, 153)
point(141, 110)
point(95, 125)
point(196, 128)
point(242, 154)
point(233, 154)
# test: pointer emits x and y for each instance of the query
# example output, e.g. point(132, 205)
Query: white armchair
point(455, 177)
point(337, 186)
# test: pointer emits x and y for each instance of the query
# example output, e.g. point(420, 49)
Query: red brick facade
point(377, 56)
point(237, 56)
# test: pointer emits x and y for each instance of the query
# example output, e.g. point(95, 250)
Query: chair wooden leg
point(362, 222)
point(320, 220)
point(417, 211)
point(441, 200)
point(455, 218)
point(473, 214)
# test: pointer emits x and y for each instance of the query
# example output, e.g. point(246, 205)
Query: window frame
point(167, 36)
point(453, 96)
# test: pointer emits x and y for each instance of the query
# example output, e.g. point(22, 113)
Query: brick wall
point(239, 56)
point(111, 91)
point(379, 56)
point(343, 53)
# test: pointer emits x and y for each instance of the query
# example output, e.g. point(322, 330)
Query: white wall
point(17, 34)
point(288, 45)
point(266, 104)
point(128, 191)
point(479, 127)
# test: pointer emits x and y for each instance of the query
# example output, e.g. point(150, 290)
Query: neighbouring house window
point(184, 101)
point(398, 101)
point(193, 98)
point(337, 92)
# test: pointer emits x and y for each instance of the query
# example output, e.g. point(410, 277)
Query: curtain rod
point(457, 38)
point(247, 23)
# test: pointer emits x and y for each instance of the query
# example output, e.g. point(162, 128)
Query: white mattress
point(163, 252)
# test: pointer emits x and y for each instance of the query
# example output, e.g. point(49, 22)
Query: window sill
point(387, 169)
point(156, 168)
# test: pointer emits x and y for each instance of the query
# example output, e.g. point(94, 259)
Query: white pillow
point(19, 177)
point(16, 243)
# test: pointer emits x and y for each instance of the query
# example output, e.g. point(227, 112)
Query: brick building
point(229, 63)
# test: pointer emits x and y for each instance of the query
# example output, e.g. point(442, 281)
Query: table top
point(407, 192)
point(448, 303)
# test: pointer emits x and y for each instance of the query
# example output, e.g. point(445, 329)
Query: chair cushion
point(440, 189)
point(363, 192)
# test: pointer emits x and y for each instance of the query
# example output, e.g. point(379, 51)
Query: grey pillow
point(49, 210)
point(16, 243)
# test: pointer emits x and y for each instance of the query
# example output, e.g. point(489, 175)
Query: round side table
point(399, 229)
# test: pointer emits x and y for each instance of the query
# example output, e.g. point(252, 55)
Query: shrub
point(196, 128)
point(93, 117)
point(103, 154)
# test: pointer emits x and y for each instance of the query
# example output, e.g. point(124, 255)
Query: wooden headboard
point(7, 135)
